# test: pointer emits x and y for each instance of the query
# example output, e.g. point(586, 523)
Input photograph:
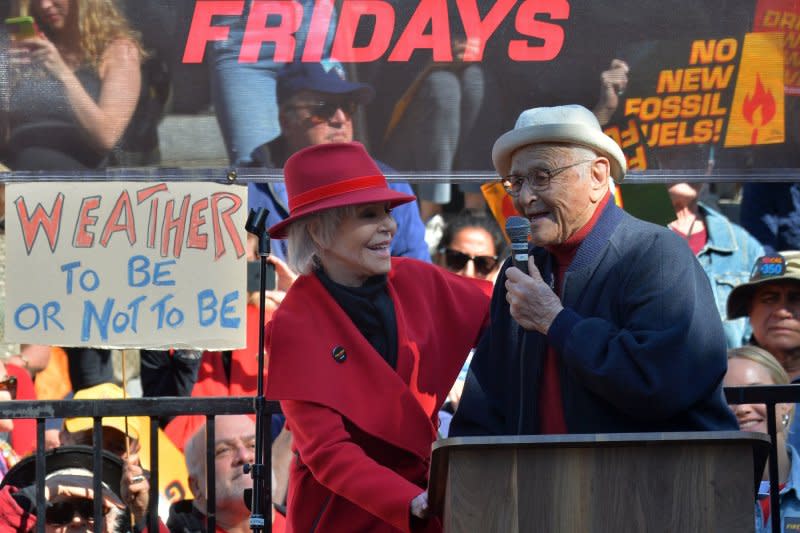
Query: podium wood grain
point(668, 482)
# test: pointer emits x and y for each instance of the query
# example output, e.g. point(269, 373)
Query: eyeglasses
point(323, 111)
point(455, 260)
point(9, 383)
point(62, 513)
point(537, 181)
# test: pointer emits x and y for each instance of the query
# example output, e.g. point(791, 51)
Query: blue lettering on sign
point(90, 313)
point(173, 317)
point(140, 264)
point(225, 310)
point(27, 316)
point(207, 309)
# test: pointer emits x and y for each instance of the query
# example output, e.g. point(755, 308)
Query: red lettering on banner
point(201, 31)
point(480, 31)
point(50, 222)
point(82, 238)
point(170, 224)
point(123, 205)
point(381, 23)
point(318, 30)
point(433, 12)
point(551, 34)
point(257, 33)
point(196, 221)
point(224, 216)
point(344, 48)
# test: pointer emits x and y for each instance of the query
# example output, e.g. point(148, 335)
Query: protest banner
point(783, 16)
point(688, 101)
point(123, 265)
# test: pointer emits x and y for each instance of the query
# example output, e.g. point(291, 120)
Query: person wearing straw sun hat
point(620, 331)
point(363, 350)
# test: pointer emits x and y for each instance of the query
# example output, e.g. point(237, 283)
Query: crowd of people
point(613, 324)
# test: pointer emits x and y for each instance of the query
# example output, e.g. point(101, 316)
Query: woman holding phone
point(74, 85)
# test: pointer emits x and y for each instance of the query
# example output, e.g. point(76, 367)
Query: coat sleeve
point(664, 350)
point(342, 466)
point(758, 213)
point(483, 409)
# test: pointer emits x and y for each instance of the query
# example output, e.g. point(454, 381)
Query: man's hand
point(532, 303)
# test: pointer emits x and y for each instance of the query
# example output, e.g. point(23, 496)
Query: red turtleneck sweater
point(551, 410)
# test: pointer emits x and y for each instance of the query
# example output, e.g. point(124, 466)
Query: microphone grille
point(518, 229)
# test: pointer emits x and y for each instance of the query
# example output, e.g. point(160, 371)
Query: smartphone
point(21, 28)
point(254, 276)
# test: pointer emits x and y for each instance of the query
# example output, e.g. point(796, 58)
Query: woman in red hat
point(363, 350)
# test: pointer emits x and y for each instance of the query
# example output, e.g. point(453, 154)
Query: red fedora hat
point(332, 175)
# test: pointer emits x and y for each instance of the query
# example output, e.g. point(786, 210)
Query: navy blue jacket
point(640, 342)
point(771, 213)
point(409, 241)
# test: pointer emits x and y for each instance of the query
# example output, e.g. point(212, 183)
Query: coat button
point(339, 355)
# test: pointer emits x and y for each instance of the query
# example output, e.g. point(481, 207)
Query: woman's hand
point(45, 54)
point(419, 506)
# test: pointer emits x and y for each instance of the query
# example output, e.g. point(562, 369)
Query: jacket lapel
point(588, 255)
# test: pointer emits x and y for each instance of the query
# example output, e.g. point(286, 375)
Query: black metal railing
point(153, 408)
point(40, 410)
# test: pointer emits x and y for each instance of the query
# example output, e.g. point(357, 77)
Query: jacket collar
point(720, 231)
point(585, 260)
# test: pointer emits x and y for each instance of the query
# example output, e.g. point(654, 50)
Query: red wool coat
point(363, 431)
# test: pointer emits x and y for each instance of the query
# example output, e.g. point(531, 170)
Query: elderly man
point(234, 446)
point(316, 106)
point(615, 328)
point(771, 299)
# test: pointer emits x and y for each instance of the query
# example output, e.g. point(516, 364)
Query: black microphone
point(518, 230)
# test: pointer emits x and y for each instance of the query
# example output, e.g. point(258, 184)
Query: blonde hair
point(767, 361)
point(303, 250)
point(101, 23)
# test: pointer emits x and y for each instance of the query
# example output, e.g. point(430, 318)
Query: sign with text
point(687, 100)
point(783, 16)
point(124, 265)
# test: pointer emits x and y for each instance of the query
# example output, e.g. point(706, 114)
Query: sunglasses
point(323, 111)
point(455, 260)
point(63, 512)
point(9, 383)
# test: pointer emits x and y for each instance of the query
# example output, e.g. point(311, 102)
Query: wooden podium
point(637, 482)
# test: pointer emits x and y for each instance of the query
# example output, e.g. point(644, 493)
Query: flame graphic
point(762, 99)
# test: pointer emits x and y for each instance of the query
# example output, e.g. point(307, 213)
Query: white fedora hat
point(561, 124)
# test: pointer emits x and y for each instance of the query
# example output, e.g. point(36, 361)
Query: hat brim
point(738, 304)
point(23, 474)
point(367, 196)
point(73, 425)
point(579, 134)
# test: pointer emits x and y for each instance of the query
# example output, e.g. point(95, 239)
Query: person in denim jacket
point(725, 250)
point(753, 365)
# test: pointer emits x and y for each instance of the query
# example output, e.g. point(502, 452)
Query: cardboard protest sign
point(686, 101)
point(122, 265)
